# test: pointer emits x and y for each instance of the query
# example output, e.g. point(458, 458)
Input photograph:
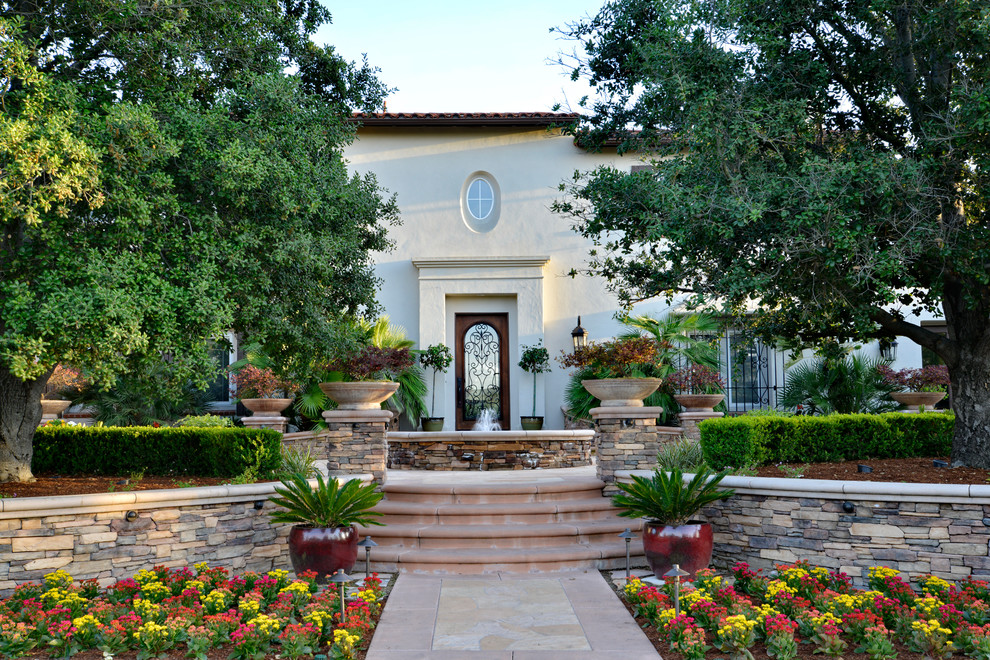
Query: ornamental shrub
point(203, 452)
point(737, 441)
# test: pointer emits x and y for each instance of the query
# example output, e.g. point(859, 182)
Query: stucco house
point(481, 263)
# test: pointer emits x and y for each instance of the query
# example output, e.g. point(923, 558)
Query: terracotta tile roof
point(504, 119)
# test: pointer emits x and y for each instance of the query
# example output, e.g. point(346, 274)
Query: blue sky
point(449, 56)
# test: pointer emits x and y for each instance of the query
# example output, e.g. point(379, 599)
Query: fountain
point(486, 421)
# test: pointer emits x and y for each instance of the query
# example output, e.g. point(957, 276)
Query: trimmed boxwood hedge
point(198, 451)
point(738, 441)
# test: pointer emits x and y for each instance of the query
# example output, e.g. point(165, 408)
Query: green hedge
point(738, 441)
point(203, 452)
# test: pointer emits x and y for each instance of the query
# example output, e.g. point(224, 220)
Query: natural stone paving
point(507, 617)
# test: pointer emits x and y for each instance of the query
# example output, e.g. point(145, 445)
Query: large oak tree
point(826, 162)
point(170, 171)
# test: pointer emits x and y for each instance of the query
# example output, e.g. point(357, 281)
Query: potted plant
point(622, 362)
point(534, 360)
point(923, 387)
point(438, 358)
point(699, 388)
point(365, 378)
point(668, 503)
point(323, 537)
point(63, 382)
point(261, 390)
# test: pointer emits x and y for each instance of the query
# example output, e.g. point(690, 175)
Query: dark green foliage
point(202, 452)
point(738, 441)
point(666, 498)
point(851, 384)
point(822, 163)
point(328, 504)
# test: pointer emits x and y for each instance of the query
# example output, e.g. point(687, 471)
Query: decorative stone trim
point(852, 525)
point(474, 450)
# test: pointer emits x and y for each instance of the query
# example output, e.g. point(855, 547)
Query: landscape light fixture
point(888, 349)
point(341, 578)
point(131, 516)
point(259, 505)
point(579, 336)
point(367, 544)
point(628, 536)
point(848, 507)
point(677, 574)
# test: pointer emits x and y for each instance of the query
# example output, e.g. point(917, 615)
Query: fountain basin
point(489, 450)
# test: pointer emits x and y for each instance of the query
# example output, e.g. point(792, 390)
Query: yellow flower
point(882, 572)
point(59, 578)
point(86, 623)
point(146, 609)
point(278, 574)
point(776, 586)
point(368, 596)
point(249, 608)
point(319, 618)
point(296, 588)
point(265, 624)
point(143, 577)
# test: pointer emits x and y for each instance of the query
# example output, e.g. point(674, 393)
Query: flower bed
point(188, 613)
point(801, 610)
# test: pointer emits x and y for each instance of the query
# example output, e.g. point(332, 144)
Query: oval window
point(480, 199)
point(480, 204)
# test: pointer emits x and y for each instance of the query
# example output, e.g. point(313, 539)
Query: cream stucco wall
point(427, 168)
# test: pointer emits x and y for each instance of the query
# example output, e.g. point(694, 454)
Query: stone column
point(276, 422)
point(357, 442)
point(626, 438)
point(690, 420)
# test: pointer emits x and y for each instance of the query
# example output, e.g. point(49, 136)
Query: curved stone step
point(517, 560)
point(578, 488)
point(499, 536)
point(494, 513)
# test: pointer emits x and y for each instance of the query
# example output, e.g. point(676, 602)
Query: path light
point(865, 469)
point(579, 336)
point(367, 544)
point(341, 578)
point(677, 574)
point(628, 536)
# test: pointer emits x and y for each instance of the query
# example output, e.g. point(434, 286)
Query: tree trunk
point(20, 414)
point(971, 403)
point(967, 310)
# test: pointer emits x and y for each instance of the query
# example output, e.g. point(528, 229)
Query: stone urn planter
point(914, 400)
point(359, 395)
point(698, 402)
point(266, 407)
point(615, 392)
point(52, 408)
point(689, 545)
point(322, 549)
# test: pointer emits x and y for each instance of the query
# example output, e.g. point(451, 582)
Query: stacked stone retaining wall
point(849, 526)
point(90, 536)
point(501, 450)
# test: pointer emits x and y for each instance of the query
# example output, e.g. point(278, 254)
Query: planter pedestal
point(278, 423)
point(690, 420)
point(357, 442)
point(52, 408)
point(627, 438)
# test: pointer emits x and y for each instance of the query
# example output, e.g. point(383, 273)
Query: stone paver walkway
point(507, 617)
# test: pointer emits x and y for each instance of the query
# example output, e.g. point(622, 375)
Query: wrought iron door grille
point(753, 371)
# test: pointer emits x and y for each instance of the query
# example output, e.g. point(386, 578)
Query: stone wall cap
point(503, 436)
point(700, 415)
point(626, 412)
point(358, 416)
point(44, 505)
point(894, 491)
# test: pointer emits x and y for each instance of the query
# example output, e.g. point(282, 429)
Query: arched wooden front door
point(481, 365)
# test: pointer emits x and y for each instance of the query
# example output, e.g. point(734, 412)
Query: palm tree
point(846, 385)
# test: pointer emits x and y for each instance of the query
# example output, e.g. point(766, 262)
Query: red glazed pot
point(689, 545)
point(322, 549)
